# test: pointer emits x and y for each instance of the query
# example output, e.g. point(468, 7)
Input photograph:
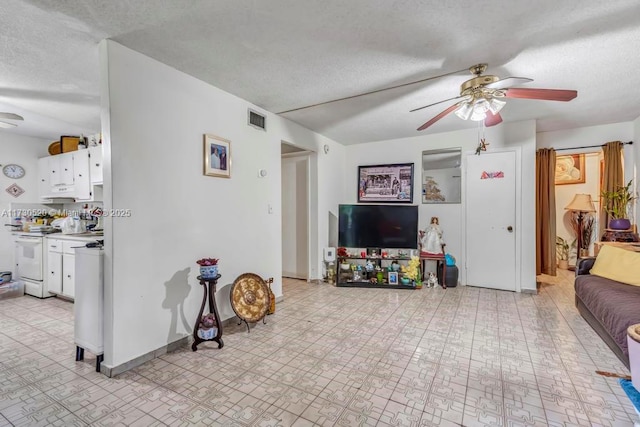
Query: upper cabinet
point(95, 164)
point(70, 175)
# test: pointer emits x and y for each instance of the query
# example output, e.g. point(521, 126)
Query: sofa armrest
point(584, 265)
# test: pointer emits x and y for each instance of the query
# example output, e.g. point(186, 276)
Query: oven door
point(29, 263)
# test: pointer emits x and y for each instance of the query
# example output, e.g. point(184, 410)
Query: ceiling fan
point(9, 116)
point(481, 98)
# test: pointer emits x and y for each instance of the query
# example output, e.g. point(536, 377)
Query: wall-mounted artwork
point(217, 156)
point(570, 169)
point(385, 183)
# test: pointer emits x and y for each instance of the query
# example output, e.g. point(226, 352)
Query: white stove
point(30, 253)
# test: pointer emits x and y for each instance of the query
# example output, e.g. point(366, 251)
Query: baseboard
point(529, 291)
point(133, 363)
point(182, 342)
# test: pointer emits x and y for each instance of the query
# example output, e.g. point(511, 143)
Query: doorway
point(492, 242)
point(296, 169)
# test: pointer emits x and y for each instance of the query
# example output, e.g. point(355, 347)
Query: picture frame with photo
point(570, 169)
point(393, 277)
point(216, 156)
point(391, 183)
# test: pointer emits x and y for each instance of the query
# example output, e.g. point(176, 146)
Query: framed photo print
point(385, 183)
point(393, 277)
point(217, 156)
point(570, 169)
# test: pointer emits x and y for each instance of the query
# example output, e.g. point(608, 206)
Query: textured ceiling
point(284, 54)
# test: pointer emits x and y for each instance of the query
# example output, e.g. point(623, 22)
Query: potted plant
point(616, 204)
point(208, 267)
point(562, 252)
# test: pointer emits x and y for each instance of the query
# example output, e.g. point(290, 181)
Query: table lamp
point(581, 203)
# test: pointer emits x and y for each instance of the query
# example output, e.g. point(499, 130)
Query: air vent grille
point(257, 120)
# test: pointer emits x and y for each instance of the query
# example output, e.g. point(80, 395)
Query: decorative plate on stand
point(250, 298)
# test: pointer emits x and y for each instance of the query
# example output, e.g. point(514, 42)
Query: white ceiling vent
point(256, 120)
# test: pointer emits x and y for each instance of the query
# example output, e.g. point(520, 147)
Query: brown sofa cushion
point(614, 304)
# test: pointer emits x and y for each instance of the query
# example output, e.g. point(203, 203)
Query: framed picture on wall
point(217, 156)
point(570, 169)
point(385, 183)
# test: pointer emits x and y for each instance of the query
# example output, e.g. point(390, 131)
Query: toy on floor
point(432, 280)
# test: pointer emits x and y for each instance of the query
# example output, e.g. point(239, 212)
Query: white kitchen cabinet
point(61, 170)
point(61, 265)
point(54, 272)
point(44, 185)
point(67, 175)
point(82, 180)
point(68, 275)
point(95, 164)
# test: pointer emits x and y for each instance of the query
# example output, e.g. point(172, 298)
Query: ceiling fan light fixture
point(480, 108)
point(495, 105)
point(464, 111)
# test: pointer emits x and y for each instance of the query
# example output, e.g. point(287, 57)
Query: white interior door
point(491, 220)
point(295, 217)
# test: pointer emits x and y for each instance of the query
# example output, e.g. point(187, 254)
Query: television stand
point(347, 278)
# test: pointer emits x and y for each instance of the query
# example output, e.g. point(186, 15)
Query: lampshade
point(581, 203)
point(464, 111)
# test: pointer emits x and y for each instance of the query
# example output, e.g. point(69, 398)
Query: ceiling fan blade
point(544, 94)
point(436, 103)
point(374, 91)
point(439, 116)
point(10, 116)
point(492, 119)
point(508, 82)
point(7, 125)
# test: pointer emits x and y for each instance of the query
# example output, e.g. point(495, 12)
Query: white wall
point(25, 152)
point(407, 150)
point(153, 121)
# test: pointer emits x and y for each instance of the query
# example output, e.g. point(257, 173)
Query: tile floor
point(333, 356)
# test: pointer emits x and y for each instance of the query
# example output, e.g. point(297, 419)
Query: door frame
point(307, 154)
point(518, 211)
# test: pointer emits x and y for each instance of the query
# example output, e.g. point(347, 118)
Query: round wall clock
point(13, 171)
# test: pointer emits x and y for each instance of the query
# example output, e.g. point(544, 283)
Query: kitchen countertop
point(85, 237)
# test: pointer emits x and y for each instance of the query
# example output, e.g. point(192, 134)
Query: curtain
point(613, 177)
point(546, 211)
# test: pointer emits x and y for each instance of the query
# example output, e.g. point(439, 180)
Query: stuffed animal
point(432, 280)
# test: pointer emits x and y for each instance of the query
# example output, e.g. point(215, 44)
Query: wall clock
point(13, 171)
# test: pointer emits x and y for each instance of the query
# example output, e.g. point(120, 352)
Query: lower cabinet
point(61, 266)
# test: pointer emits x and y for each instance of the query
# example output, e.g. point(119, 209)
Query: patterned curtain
point(545, 212)
point(613, 177)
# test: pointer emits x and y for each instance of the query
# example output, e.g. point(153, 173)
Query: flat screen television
point(378, 226)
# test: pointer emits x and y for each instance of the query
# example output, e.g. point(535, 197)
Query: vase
point(620, 224)
point(208, 271)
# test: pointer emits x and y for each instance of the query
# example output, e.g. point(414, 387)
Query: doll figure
point(431, 238)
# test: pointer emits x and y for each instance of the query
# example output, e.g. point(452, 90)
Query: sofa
point(609, 306)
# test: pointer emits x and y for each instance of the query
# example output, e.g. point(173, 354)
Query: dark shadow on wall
point(176, 292)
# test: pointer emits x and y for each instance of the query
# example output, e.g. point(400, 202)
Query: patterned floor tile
point(333, 356)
